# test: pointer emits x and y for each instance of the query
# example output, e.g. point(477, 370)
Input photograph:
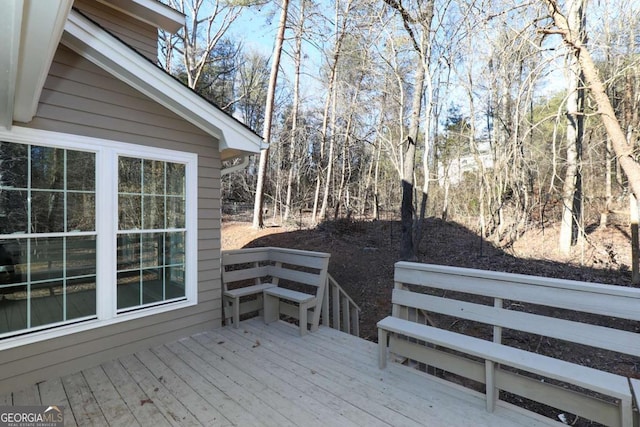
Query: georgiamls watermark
point(31, 416)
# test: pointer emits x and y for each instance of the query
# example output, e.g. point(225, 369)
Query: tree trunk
point(294, 113)
point(572, 188)
point(258, 221)
point(623, 151)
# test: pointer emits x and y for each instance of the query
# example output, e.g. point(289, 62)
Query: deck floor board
point(262, 375)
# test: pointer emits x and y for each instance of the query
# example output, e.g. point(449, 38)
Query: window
point(47, 236)
point(92, 232)
point(151, 231)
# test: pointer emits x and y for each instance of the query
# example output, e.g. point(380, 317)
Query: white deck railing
point(339, 311)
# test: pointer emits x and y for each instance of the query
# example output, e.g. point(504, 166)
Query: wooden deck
point(261, 375)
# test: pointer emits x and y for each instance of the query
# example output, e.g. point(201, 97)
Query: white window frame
point(107, 153)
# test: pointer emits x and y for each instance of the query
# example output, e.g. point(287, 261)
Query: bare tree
point(258, 221)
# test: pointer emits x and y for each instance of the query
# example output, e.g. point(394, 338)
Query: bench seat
point(583, 376)
point(232, 298)
point(248, 290)
point(272, 297)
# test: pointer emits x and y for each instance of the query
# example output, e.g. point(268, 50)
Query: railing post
point(355, 321)
point(346, 326)
point(336, 308)
point(325, 304)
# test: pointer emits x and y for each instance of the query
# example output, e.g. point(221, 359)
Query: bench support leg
point(490, 384)
point(302, 317)
point(236, 312)
point(382, 348)
point(626, 413)
point(271, 308)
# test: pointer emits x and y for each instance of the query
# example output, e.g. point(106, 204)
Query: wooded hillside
point(476, 111)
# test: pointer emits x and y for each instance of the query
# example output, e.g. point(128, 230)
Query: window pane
point(81, 256)
point(128, 287)
point(14, 159)
point(81, 297)
point(13, 211)
point(130, 212)
point(46, 258)
point(176, 179)
point(152, 289)
point(47, 212)
point(174, 248)
point(174, 282)
point(175, 212)
point(129, 178)
point(153, 177)
point(153, 213)
point(152, 250)
point(128, 251)
point(47, 168)
point(46, 300)
point(13, 268)
point(81, 212)
point(81, 171)
point(13, 310)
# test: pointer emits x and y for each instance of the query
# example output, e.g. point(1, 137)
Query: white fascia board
point(152, 12)
point(98, 46)
point(11, 23)
point(42, 26)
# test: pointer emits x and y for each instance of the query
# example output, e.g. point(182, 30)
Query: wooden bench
point(280, 281)
point(517, 311)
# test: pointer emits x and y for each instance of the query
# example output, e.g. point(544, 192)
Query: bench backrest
point(238, 266)
point(524, 303)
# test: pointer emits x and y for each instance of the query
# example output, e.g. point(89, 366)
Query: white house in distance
point(109, 188)
point(455, 168)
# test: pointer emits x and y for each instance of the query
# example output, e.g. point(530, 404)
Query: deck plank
point(359, 390)
point(278, 381)
point(413, 395)
point(228, 407)
point(52, 393)
point(187, 350)
point(27, 396)
point(82, 403)
point(111, 403)
point(343, 393)
point(141, 406)
point(205, 413)
point(282, 402)
point(6, 399)
point(174, 411)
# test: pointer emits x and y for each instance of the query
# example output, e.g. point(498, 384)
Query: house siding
point(139, 35)
point(81, 99)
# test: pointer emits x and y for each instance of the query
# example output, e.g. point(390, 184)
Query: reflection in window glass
point(46, 280)
point(150, 260)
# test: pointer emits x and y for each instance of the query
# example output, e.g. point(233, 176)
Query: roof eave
point(96, 45)
point(34, 31)
point(152, 12)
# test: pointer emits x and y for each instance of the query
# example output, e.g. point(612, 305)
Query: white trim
point(107, 153)
point(151, 12)
point(42, 26)
point(34, 337)
point(96, 45)
point(11, 23)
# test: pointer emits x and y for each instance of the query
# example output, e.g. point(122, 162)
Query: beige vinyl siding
point(139, 35)
point(81, 99)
